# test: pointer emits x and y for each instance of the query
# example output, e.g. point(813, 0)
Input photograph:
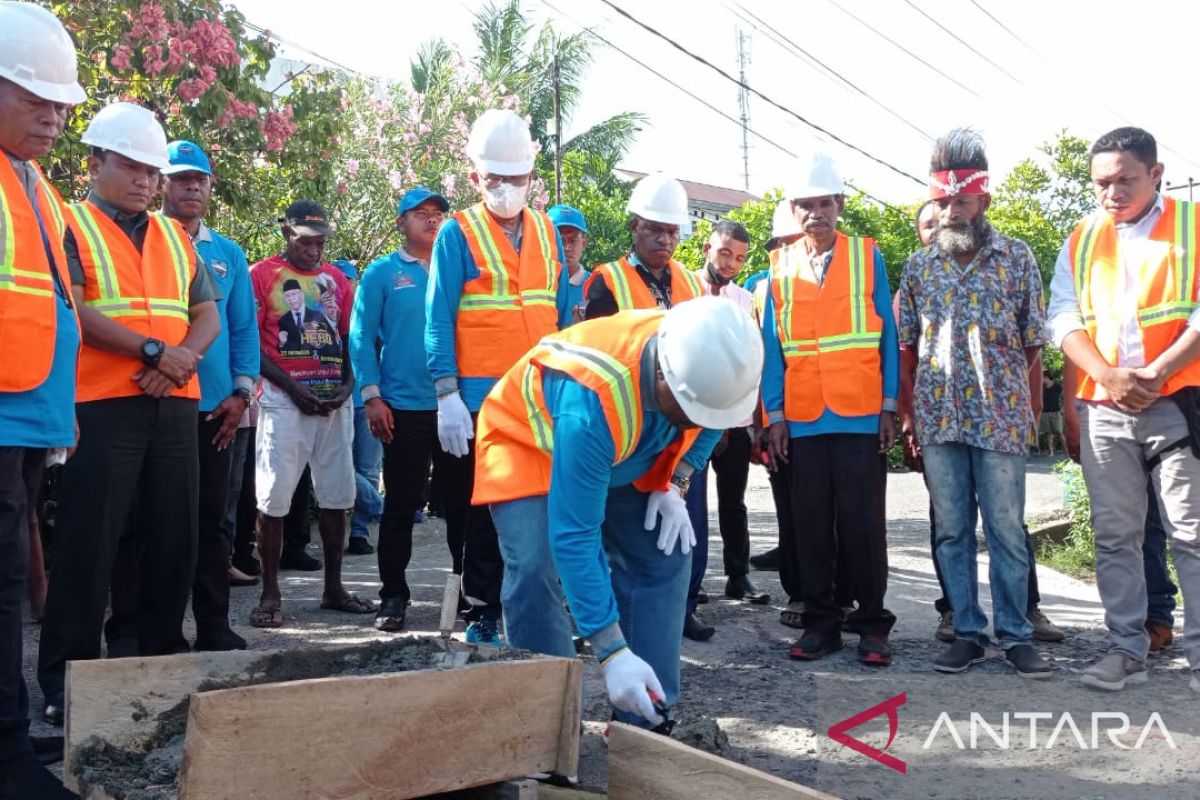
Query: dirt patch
point(703, 733)
point(152, 773)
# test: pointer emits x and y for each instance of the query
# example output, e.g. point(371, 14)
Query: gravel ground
point(776, 712)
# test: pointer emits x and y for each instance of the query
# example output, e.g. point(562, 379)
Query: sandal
point(792, 616)
point(349, 604)
point(266, 617)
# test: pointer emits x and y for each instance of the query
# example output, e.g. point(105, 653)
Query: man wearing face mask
point(493, 293)
point(649, 277)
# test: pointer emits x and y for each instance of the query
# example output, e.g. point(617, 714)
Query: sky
point(1018, 71)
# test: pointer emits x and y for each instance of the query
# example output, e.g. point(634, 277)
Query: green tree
point(755, 215)
point(891, 227)
point(590, 185)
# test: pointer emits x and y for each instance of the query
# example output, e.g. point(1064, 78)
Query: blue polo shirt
point(233, 357)
point(574, 289)
point(387, 333)
point(451, 267)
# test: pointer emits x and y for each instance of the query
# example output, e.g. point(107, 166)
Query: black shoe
point(359, 546)
point(696, 630)
point(47, 749)
point(739, 587)
point(768, 561)
point(874, 650)
point(219, 640)
point(815, 645)
point(1026, 661)
point(390, 616)
point(701, 597)
point(298, 560)
point(52, 713)
point(959, 656)
point(248, 565)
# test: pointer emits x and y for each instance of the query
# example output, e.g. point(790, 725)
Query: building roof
point(702, 193)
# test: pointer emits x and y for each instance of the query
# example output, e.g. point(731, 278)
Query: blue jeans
point(956, 473)
point(1160, 591)
point(697, 506)
point(650, 588)
point(368, 461)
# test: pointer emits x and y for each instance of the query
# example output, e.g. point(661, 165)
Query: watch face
point(151, 349)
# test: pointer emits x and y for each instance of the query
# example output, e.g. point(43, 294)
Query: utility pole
point(744, 104)
point(557, 136)
point(1191, 185)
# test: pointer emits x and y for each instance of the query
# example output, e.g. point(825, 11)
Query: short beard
point(967, 240)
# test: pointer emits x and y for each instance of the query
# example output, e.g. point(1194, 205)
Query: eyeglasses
point(492, 181)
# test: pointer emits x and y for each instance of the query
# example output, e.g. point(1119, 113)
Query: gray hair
point(961, 148)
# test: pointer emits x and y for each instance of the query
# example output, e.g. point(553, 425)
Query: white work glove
point(454, 424)
point(630, 680)
point(676, 524)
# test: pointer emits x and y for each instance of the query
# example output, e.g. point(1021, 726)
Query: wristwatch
point(152, 352)
point(681, 483)
point(243, 393)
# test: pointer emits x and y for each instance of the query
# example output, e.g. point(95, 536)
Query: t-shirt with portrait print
point(303, 318)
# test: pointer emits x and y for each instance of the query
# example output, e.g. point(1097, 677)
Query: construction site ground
point(987, 733)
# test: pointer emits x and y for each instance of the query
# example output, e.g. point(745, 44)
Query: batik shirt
point(970, 327)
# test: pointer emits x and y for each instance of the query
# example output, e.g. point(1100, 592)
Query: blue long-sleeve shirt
point(387, 333)
point(452, 266)
point(574, 290)
point(889, 364)
point(581, 475)
point(232, 358)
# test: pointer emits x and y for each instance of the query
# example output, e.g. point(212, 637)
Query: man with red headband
point(971, 323)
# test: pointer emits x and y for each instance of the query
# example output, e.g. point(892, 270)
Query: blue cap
point(186, 156)
point(417, 195)
point(347, 268)
point(567, 215)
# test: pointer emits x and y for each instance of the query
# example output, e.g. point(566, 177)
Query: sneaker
point(874, 651)
point(959, 656)
point(1194, 683)
point(359, 546)
point(418, 517)
point(814, 645)
point(1161, 636)
point(485, 632)
point(1026, 661)
point(945, 628)
point(1114, 671)
point(1043, 629)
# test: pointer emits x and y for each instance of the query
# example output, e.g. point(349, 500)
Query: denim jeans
point(956, 473)
point(368, 461)
point(650, 588)
point(1160, 590)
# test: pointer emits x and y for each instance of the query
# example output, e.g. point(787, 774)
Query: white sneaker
point(1112, 672)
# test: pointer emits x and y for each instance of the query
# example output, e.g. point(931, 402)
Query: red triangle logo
point(839, 733)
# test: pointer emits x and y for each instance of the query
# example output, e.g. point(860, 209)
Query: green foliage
point(755, 216)
point(1076, 554)
point(892, 229)
point(590, 185)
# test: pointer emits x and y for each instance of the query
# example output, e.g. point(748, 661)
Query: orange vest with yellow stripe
point(515, 434)
point(630, 291)
point(146, 292)
point(511, 304)
point(28, 315)
point(829, 332)
point(1167, 289)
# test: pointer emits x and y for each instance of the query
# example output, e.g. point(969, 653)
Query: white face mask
point(506, 200)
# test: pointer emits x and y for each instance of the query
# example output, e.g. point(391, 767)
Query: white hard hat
point(661, 198)
point(130, 130)
point(37, 54)
point(711, 354)
point(783, 221)
point(819, 177)
point(500, 144)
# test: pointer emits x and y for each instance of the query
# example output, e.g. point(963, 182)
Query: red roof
point(701, 192)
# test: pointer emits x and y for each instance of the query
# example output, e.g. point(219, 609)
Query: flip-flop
point(263, 617)
point(350, 604)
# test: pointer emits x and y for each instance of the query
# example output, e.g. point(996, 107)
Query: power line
point(766, 139)
point(301, 48)
point(796, 51)
point(963, 42)
point(904, 49)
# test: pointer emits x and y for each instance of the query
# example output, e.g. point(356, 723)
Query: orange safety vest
point(28, 316)
point(511, 305)
point(829, 332)
point(1167, 288)
point(630, 291)
point(515, 434)
point(146, 292)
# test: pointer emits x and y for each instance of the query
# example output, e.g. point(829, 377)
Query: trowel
point(456, 654)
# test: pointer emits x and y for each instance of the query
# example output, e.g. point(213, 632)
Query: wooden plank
point(381, 737)
point(568, 736)
point(119, 699)
point(647, 766)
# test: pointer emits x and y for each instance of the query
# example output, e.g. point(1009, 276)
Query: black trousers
point(732, 468)
point(406, 461)
point(210, 588)
point(789, 568)
point(297, 525)
point(131, 450)
point(482, 565)
point(246, 516)
point(838, 493)
point(20, 481)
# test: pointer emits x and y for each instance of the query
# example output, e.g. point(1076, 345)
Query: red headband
point(952, 182)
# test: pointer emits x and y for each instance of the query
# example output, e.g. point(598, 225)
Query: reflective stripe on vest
point(500, 296)
point(621, 275)
point(860, 335)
